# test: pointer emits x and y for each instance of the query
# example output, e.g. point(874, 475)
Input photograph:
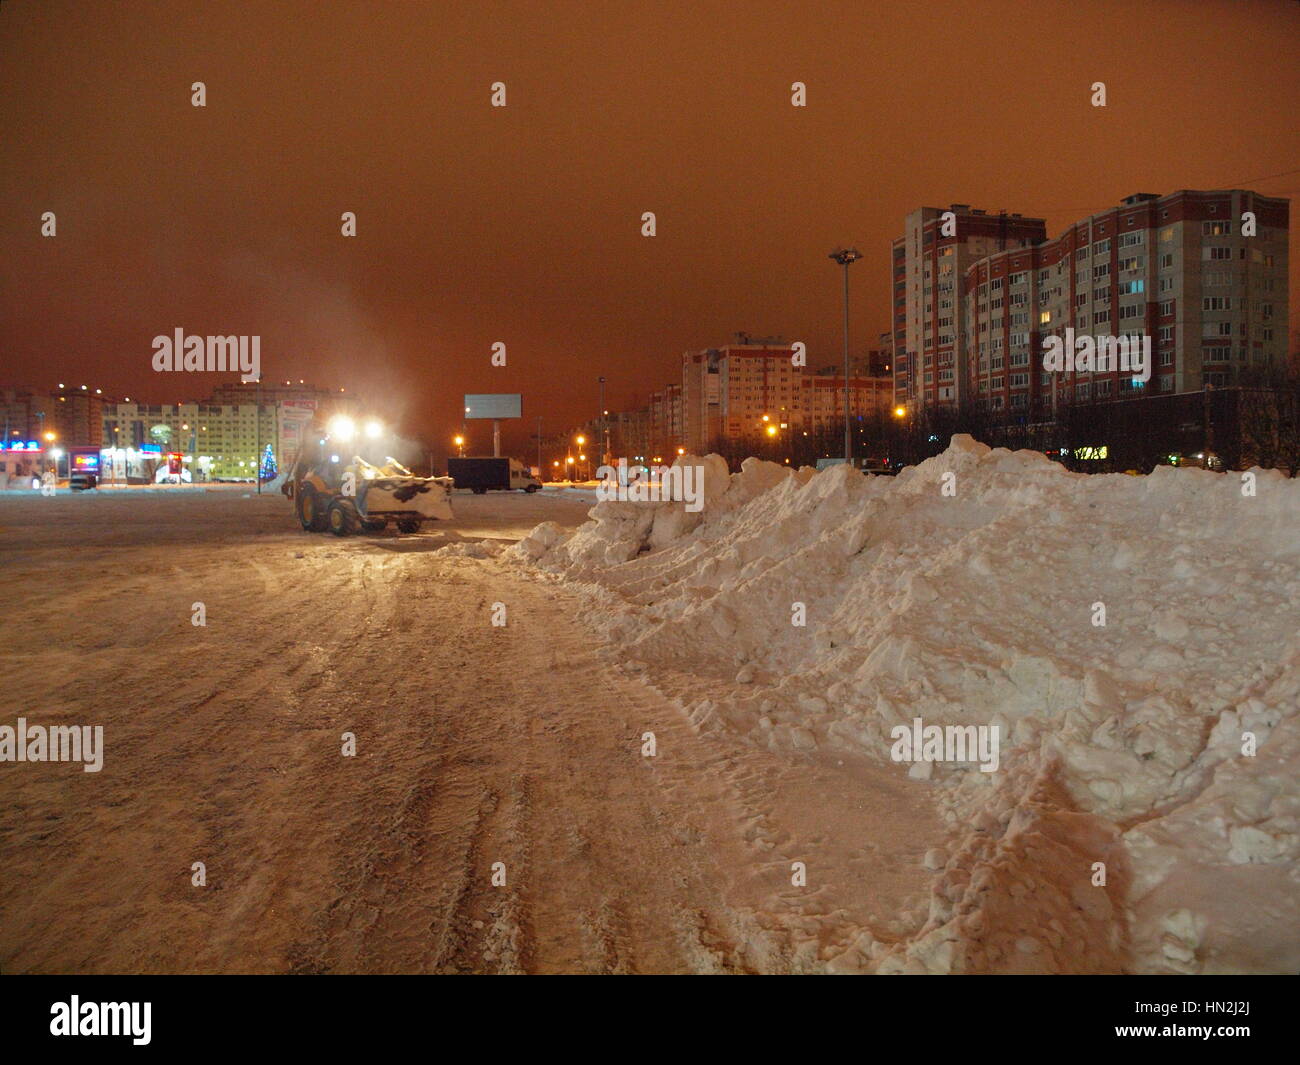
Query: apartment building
point(75, 415)
point(666, 430)
point(700, 398)
point(821, 399)
point(225, 439)
point(23, 413)
point(930, 264)
point(727, 390)
point(737, 391)
point(1210, 292)
point(629, 435)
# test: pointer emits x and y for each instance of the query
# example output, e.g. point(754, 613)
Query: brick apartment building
point(76, 416)
point(736, 391)
point(1176, 268)
point(930, 263)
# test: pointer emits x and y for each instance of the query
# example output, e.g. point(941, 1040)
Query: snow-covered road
point(475, 745)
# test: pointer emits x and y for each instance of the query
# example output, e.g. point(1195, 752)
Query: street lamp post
point(257, 458)
point(604, 418)
point(846, 257)
point(49, 439)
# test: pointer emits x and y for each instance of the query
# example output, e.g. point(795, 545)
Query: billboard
point(295, 419)
point(499, 405)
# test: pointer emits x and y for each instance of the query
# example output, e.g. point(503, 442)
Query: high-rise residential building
point(1202, 274)
point(75, 416)
point(700, 403)
point(727, 390)
point(23, 412)
point(234, 393)
point(225, 435)
point(224, 441)
point(820, 407)
point(664, 431)
point(930, 263)
point(737, 391)
point(630, 435)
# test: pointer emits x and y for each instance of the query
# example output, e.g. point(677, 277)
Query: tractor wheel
point(343, 518)
point(408, 525)
point(310, 511)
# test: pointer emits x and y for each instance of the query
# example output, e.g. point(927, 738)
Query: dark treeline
point(1253, 423)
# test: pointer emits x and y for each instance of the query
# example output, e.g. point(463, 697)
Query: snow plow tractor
point(347, 498)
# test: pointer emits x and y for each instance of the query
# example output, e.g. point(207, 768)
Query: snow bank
point(1127, 636)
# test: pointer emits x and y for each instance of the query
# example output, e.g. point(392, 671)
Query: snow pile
point(469, 549)
point(619, 531)
point(1128, 636)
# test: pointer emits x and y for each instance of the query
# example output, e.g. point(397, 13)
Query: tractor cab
point(345, 485)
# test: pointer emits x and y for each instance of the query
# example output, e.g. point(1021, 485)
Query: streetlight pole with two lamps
point(846, 257)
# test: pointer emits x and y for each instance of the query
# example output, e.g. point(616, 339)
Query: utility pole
point(539, 447)
point(846, 257)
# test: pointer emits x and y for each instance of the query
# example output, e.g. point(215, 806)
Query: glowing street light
point(343, 428)
point(900, 412)
point(459, 441)
point(374, 430)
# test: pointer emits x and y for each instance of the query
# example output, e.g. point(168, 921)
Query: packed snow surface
point(1133, 639)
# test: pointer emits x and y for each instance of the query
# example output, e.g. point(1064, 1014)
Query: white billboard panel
point(499, 405)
